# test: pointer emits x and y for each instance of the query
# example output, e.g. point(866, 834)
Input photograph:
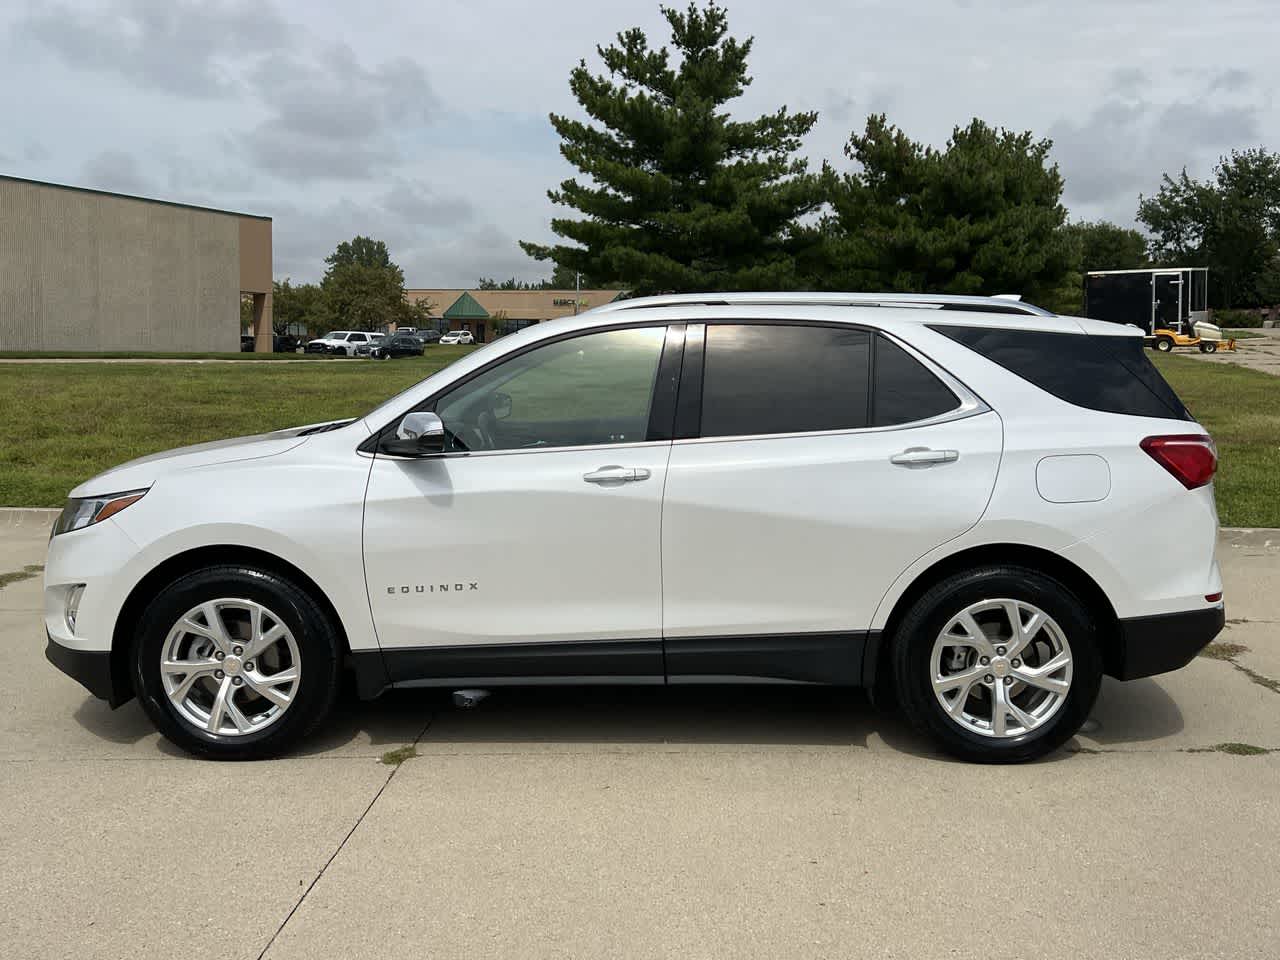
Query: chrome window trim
point(473, 454)
point(960, 413)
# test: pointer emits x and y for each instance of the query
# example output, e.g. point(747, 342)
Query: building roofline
point(130, 196)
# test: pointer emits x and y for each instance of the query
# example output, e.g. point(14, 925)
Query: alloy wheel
point(230, 667)
point(1001, 668)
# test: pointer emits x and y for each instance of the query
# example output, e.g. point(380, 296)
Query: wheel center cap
point(231, 665)
point(1000, 667)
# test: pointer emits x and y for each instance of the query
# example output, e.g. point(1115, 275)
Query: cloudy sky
point(424, 122)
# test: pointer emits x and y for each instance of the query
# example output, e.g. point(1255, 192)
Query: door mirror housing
point(419, 434)
point(500, 405)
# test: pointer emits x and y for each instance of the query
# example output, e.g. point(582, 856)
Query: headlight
point(78, 514)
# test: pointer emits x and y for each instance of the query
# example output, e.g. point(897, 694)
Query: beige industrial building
point(88, 270)
point(491, 313)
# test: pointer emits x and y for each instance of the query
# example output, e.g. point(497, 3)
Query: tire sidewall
point(928, 617)
point(317, 648)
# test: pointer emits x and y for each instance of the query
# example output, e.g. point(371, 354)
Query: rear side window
point(784, 378)
point(1111, 374)
point(906, 390)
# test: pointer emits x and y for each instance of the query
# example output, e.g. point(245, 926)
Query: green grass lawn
point(63, 423)
point(141, 355)
point(1241, 409)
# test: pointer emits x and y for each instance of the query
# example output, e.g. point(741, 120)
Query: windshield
point(334, 335)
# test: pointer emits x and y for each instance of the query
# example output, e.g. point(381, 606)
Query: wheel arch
point(190, 561)
point(1080, 583)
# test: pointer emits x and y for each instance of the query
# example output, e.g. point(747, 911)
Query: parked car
point(973, 505)
point(364, 349)
point(341, 342)
point(398, 345)
point(279, 343)
point(428, 336)
point(457, 336)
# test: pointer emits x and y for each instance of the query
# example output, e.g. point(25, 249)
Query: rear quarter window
point(1110, 374)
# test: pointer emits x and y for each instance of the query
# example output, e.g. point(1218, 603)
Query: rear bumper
point(1151, 645)
point(90, 668)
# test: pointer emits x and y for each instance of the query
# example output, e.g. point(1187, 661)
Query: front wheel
point(235, 663)
point(1208, 346)
point(1164, 344)
point(998, 664)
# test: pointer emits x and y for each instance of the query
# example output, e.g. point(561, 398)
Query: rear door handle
point(616, 474)
point(923, 457)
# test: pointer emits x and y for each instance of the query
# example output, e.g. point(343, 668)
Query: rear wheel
point(1164, 344)
point(998, 664)
point(235, 663)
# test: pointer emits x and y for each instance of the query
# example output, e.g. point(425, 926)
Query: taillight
point(1191, 457)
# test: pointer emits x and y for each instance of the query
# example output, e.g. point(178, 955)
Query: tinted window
point(906, 390)
point(783, 378)
point(587, 390)
point(1111, 374)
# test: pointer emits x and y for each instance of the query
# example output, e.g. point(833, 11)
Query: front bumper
point(1150, 645)
point(92, 669)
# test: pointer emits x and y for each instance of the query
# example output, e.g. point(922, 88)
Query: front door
point(806, 491)
point(530, 547)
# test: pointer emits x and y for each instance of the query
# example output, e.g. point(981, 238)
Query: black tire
point(1208, 347)
point(319, 646)
point(928, 616)
point(1164, 344)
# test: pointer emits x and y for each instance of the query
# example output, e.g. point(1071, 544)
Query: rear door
point(813, 463)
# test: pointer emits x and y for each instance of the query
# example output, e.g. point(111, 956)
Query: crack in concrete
point(355, 826)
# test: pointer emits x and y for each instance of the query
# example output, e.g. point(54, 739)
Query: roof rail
point(925, 301)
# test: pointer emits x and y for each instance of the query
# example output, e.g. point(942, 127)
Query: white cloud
point(425, 124)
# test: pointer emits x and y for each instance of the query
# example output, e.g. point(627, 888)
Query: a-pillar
point(262, 342)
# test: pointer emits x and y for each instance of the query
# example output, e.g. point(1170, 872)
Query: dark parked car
point(364, 349)
point(398, 345)
point(279, 344)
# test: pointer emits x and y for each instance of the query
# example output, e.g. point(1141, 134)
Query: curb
point(28, 519)
point(1265, 537)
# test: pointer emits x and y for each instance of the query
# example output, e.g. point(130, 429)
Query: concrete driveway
point(1260, 351)
point(647, 823)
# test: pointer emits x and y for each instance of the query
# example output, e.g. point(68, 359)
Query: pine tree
point(983, 215)
point(677, 196)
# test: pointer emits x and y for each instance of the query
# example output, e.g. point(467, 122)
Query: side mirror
point(500, 405)
point(419, 434)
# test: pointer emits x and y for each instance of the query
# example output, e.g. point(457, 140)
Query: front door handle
point(923, 457)
point(616, 474)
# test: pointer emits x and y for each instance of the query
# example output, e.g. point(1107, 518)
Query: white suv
point(457, 337)
point(970, 505)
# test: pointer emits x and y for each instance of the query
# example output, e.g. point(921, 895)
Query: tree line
point(677, 195)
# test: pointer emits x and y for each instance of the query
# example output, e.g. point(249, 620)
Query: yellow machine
point(1206, 336)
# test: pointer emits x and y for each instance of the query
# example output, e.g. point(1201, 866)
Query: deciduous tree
point(1229, 223)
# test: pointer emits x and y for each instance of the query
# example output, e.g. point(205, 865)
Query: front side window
point(784, 378)
point(588, 390)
